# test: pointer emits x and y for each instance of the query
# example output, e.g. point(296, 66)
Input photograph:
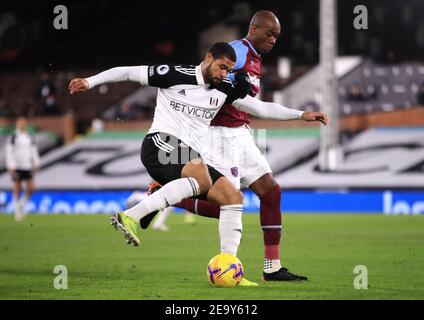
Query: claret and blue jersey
point(248, 60)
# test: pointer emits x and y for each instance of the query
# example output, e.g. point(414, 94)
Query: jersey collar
point(251, 46)
point(20, 132)
point(199, 76)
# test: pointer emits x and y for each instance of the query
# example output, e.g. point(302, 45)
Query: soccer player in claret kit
point(188, 99)
point(235, 154)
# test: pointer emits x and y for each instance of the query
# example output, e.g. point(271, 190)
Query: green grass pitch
point(172, 265)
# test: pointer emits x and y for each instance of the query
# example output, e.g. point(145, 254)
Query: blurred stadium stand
point(375, 87)
point(161, 31)
point(380, 71)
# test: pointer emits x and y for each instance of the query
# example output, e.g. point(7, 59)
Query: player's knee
point(203, 179)
point(238, 197)
point(271, 196)
point(30, 189)
point(199, 171)
point(235, 197)
point(271, 193)
point(264, 185)
point(205, 182)
point(17, 188)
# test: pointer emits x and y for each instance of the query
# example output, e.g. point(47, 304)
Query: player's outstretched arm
point(274, 111)
point(117, 74)
point(78, 85)
point(315, 116)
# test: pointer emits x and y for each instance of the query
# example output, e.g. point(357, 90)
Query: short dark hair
point(223, 49)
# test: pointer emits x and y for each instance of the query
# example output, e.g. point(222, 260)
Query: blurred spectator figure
point(97, 125)
point(46, 87)
point(126, 112)
point(50, 107)
point(46, 92)
point(420, 95)
point(149, 108)
point(4, 111)
point(311, 106)
point(371, 92)
point(143, 111)
point(356, 93)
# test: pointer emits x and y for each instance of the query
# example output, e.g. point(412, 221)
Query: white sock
point(162, 216)
point(23, 201)
point(135, 198)
point(230, 228)
point(271, 266)
point(16, 203)
point(170, 194)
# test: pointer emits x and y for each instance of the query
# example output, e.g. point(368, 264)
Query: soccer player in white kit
point(233, 151)
point(188, 99)
point(22, 160)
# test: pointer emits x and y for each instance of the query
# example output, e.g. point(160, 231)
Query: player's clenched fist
point(315, 116)
point(77, 85)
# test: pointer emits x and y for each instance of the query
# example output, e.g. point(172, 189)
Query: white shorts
point(233, 152)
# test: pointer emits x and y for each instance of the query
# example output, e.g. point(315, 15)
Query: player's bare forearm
point(315, 116)
point(78, 85)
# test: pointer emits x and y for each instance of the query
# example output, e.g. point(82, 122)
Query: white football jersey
point(185, 106)
point(21, 152)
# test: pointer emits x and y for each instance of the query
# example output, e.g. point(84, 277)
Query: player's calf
point(271, 222)
point(200, 207)
point(224, 193)
point(171, 193)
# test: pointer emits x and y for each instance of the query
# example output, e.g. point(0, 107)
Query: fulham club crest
point(214, 102)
